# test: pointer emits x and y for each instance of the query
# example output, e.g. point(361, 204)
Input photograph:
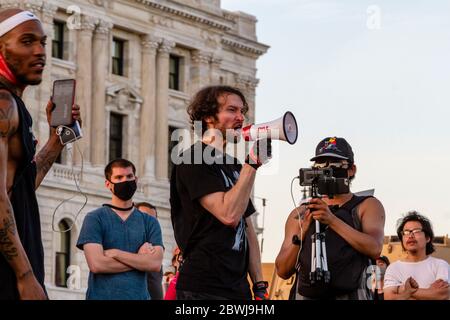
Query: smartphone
point(63, 99)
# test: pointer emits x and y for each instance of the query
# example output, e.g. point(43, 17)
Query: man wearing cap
point(353, 228)
point(22, 61)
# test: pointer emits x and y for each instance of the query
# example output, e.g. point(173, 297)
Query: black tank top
point(26, 210)
point(345, 264)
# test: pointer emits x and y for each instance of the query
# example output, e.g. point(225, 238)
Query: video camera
point(323, 182)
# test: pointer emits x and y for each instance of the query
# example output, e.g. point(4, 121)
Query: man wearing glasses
point(419, 276)
point(353, 228)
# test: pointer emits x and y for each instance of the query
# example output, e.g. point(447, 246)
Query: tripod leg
point(326, 272)
point(318, 246)
point(312, 273)
point(324, 256)
point(319, 266)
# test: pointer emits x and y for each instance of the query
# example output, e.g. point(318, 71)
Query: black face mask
point(340, 172)
point(125, 190)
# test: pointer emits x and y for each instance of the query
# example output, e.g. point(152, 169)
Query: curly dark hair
point(426, 227)
point(205, 103)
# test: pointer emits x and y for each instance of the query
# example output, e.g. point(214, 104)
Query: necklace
point(118, 208)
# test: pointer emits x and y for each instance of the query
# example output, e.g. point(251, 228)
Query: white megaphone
point(284, 128)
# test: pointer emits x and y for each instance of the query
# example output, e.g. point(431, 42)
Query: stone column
point(45, 88)
point(148, 111)
point(200, 76)
point(162, 108)
point(242, 83)
point(99, 72)
point(84, 84)
point(214, 76)
point(251, 97)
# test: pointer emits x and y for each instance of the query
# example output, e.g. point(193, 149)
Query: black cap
point(334, 147)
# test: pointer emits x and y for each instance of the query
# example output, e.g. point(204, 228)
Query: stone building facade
point(137, 64)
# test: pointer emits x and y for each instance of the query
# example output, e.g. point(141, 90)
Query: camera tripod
point(319, 266)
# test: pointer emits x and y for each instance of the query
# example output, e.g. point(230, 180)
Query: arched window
point(63, 254)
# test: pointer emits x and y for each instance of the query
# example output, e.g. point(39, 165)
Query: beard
point(413, 250)
point(31, 82)
point(14, 65)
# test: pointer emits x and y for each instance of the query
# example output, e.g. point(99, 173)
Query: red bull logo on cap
point(330, 145)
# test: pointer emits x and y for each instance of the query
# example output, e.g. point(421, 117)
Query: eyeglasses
point(336, 164)
point(414, 232)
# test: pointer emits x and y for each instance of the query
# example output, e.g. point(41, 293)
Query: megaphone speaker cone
point(290, 127)
point(284, 128)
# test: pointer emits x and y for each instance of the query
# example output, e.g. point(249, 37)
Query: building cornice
point(249, 46)
point(198, 16)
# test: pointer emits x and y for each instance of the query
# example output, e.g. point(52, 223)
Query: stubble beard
point(14, 66)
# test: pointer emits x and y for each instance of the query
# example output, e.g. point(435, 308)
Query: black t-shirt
point(216, 256)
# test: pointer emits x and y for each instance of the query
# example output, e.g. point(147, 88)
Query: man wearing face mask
point(120, 242)
point(354, 231)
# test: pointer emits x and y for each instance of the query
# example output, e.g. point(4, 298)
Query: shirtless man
point(22, 61)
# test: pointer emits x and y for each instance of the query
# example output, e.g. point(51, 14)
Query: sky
point(374, 72)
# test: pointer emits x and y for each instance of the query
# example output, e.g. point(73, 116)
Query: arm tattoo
point(7, 232)
point(6, 115)
point(25, 274)
point(44, 161)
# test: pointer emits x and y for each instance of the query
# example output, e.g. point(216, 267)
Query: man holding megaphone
point(211, 206)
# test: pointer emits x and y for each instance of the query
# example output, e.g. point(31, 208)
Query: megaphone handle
point(246, 132)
